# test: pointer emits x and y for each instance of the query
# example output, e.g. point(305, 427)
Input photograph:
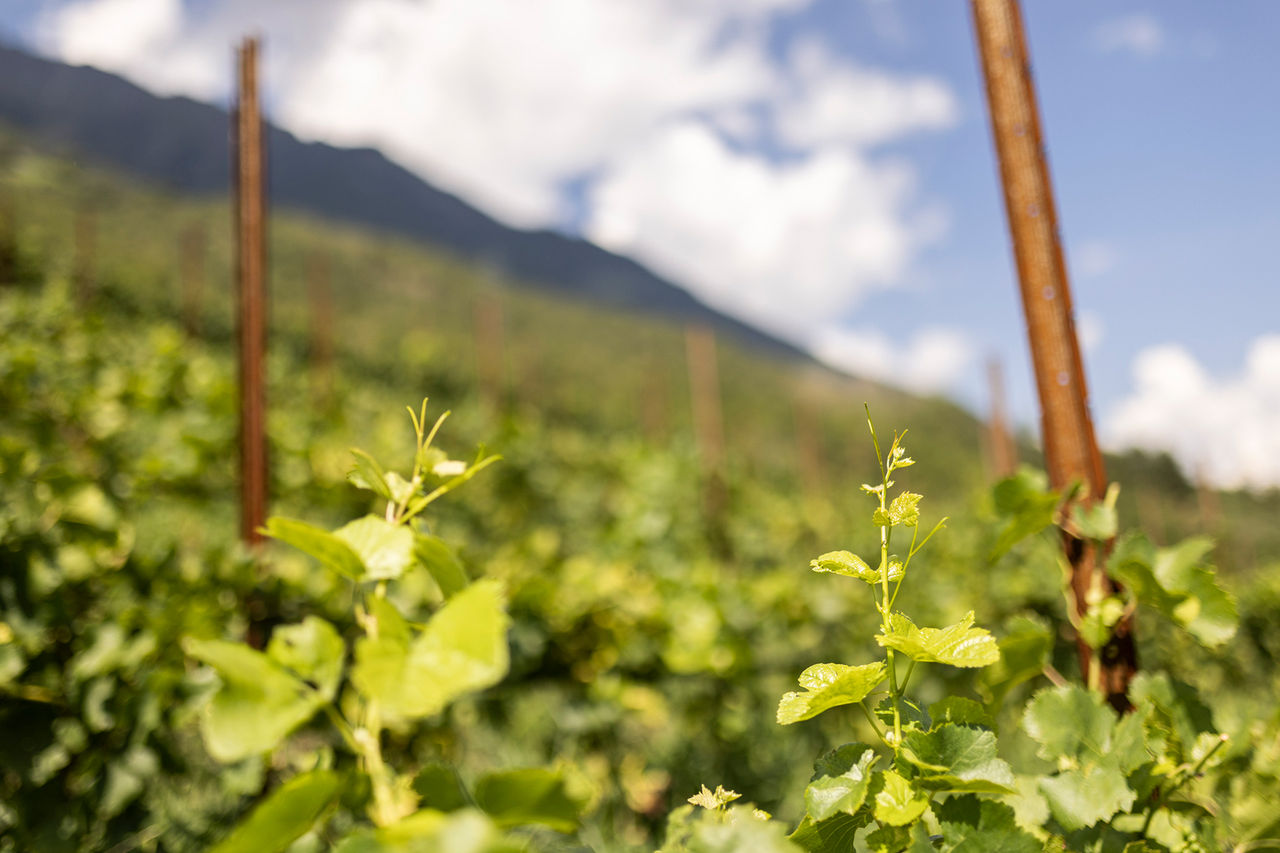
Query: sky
point(820, 168)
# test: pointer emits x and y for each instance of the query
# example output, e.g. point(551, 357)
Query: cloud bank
point(1140, 35)
point(1225, 429)
point(668, 130)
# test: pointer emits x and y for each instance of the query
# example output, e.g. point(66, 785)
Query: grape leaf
point(258, 704)
point(840, 781)
point(957, 645)
point(828, 685)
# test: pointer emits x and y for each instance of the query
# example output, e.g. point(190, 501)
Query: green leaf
point(440, 561)
point(1208, 612)
point(840, 781)
point(332, 552)
point(904, 511)
point(1080, 798)
point(427, 831)
point(881, 518)
point(1069, 722)
point(313, 650)
point(1097, 521)
point(734, 830)
point(368, 474)
point(385, 549)
point(1099, 620)
point(462, 649)
point(389, 623)
point(898, 803)
point(1024, 653)
point(258, 704)
point(961, 711)
point(828, 685)
point(956, 645)
point(440, 788)
point(284, 816)
point(1177, 705)
point(717, 799)
point(1175, 583)
point(832, 835)
point(957, 759)
point(1074, 723)
point(911, 716)
point(533, 795)
point(845, 563)
point(400, 488)
point(1027, 505)
point(853, 566)
point(982, 826)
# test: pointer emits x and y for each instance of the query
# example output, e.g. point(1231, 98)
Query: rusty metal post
point(251, 250)
point(1001, 450)
point(8, 241)
point(1071, 449)
point(84, 273)
point(193, 248)
point(490, 349)
point(808, 442)
point(708, 421)
point(320, 351)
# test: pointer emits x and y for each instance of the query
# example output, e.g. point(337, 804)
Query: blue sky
point(822, 168)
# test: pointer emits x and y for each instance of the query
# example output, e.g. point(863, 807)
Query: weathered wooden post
point(808, 441)
point(1071, 449)
point(192, 249)
point(320, 349)
point(84, 271)
point(708, 421)
point(1001, 450)
point(490, 352)
point(251, 260)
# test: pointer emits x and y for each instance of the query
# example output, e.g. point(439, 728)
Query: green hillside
point(650, 637)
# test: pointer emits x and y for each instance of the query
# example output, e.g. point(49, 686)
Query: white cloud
point(1225, 428)
point(1094, 258)
point(174, 48)
point(932, 360)
point(781, 245)
point(505, 100)
point(133, 36)
point(833, 101)
point(664, 113)
point(1141, 35)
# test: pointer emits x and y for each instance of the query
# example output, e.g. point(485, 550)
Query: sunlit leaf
point(528, 796)
point(284, 816)
point(313, 650)
point(829, 685)
point(840, 781)
point(331, 551)
point(385, 549)
point(258, 704)
point(898, 803)
point(956, 645)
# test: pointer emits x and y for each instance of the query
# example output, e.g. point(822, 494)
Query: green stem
point(872, 720)
point(343, 727)
point(1182, 779)
point(911, 667)
point(894, 691)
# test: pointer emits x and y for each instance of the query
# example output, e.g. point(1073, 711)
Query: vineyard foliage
point(563, 652)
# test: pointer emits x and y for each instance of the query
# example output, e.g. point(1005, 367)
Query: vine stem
point(1186, 777)
point(872, 720)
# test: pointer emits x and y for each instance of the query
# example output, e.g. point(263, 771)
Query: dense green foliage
point(647, 642)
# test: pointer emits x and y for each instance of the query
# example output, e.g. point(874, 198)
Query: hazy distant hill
point(184, 145)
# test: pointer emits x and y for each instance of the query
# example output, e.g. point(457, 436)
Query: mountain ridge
point(184, 145)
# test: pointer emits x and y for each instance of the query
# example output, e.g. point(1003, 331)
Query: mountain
point(185, 145)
